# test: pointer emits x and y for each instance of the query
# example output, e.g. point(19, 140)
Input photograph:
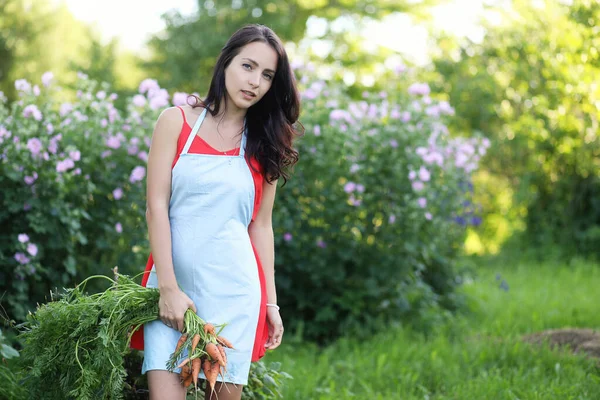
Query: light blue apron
point(212, 200)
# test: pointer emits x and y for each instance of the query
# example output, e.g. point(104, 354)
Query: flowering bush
point(368, 228)
point(373, 219)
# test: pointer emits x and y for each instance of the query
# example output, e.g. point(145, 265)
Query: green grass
point(478, 355)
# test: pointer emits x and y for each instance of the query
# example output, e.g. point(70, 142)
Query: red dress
point(200, 146)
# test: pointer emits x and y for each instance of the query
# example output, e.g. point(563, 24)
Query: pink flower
point(65, 108)
point(132, 150)
point(428, 215)
point(22, 85)
point(349, 187)
point(32, 110)
point(21, 258)
point(117, 193)
point(418, 186)
point(148, 85)
point(77, 171)
point(101, 95)
point(32, 249)
point(34, 145)
point(23, 238)
point(287, 237)
point(139, 100)
point(412, 175)
point(421, 89)
point(118, 227)
point(142, 155)
point(47, 78)
point(317, 130)
point(113, 142)
point(406, 116)
point(137, 174)
point(360, 188)
point(50, 128)
point(75, 155)
point(392, 219)
point(354, 168)
point(180, 98)
point(422, 202)
point(36, 90)
point(424, 174)
point(394, 143)
point(64, 165)
point(105, 154)
point(31, 179)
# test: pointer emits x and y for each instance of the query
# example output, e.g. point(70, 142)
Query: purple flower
point(26, 207)
point(137, 174)
point(142, 155)
point(321, 244)
point(287, 237)
point(117, 193)
point(349, 187)
point(49, 128)
point(36, 90)
point(32, 249)
point(317, 130)
point(139, 100)
point(32, 110)
point(428, 216)
point(392, 219)
point(22, 85)
point(64, 165)
point(422, 202)
point(180, 98)
point(421, 89)
point(119, 227)
point(101, 95)
point(394, 143)
point(31, 179)
point(113, 142)
point(412, 175)
point(23, 238)
point(354, 168)
point(148, 85)
point(21, 258)
point(424, 174)
point(75, 155)
point(105, 154)
point(354, 201)
point(360, 188)
point(47, 78)
point(406, 116)
point(77, 171)
point(132, 150)
point(65, 108)
point(418, 186)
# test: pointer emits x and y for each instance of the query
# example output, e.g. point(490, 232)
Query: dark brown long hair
point(272, 123)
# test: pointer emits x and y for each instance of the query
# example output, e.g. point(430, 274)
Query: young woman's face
point(250, 74)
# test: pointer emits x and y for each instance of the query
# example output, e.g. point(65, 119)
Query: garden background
point(439, 238)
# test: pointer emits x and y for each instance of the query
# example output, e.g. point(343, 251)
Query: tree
point(531, 85)
point(183, 55)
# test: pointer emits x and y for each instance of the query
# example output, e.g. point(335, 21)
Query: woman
point(212, 173)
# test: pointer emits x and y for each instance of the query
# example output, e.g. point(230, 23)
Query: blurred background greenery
point(522, 73)
point(527, 80)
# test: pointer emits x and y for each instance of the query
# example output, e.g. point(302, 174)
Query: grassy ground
point(479, 355)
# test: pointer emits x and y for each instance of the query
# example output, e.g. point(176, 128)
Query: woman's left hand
point(275, 328)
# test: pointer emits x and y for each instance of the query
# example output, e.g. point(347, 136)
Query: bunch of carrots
point(200, 347)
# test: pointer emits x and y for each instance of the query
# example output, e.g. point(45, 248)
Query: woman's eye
point(247, 66)
point(269, 77)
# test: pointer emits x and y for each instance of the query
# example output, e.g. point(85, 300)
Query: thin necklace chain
point(221, 136)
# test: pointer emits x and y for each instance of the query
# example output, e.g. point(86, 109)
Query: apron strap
point(190, 139)
point(243, 144)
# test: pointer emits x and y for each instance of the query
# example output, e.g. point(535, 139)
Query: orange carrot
point(214, 353)
point(223, 355)
point(212, 377)
point(209, 328)
point(188, 381)
point(195, 371)
point(181, 341)
point(195, 341)
point(183, 363)
point(206, 367)
point(185, 372)
point(224, 342)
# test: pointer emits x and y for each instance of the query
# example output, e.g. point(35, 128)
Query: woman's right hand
point(172, 305)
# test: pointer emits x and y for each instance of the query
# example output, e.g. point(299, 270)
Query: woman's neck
point(230, 115)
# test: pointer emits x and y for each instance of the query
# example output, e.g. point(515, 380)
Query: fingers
point(275, 339)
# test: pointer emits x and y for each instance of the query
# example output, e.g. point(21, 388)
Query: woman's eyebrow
point(257, 65)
